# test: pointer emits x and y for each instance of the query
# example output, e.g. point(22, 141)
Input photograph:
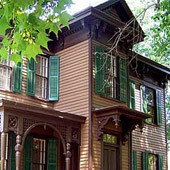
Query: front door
point(110, 152)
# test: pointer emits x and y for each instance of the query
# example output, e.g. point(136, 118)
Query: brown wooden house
point(82, 105)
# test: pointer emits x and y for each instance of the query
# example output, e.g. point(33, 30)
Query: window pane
point(110, 75)
point(41, 76)
point(39, 149)
point(110, 138)
point(5, 72)
point(152, 162)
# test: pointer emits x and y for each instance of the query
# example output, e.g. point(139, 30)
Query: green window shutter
point(99, 70)
point(123, 79)
point(12, 143)
point(28, 149)
point(160, 162)
point(134, 160)
point(132, 94)
point(52, 154)
point(31, 71)
point(54, 65)
point(143, 99)
point(159, 107)
point(17, 83)
point(145, 161)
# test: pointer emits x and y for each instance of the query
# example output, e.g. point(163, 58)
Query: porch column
point(68, 156)
point(18, 150)
point(3, 150)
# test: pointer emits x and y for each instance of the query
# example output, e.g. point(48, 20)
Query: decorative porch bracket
point(122, 117)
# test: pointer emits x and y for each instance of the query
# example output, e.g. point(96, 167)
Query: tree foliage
point(25, 25)
point(156, 24)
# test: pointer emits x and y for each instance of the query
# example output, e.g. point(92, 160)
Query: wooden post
point(18, 150)
point(68, 156)
point(3, 150)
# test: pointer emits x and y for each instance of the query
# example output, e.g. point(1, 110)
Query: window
point(39, 148)
point(132, 94)
point(152, 161)
point(5, 74)
point(40, 154)
point(43, 77)
point(107, 80)
point(151, 104)
point(7, 70)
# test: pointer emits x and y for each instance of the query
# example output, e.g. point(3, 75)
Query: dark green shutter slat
point(28, 149)
point(123, 79)
point(17, 84)
point(99, 70)
point(31, 71)
point(160, 162)
point(12, 143)
point(54, 78)
point(132, 94)
point(159, 107)
point(52, 154)
point(145, 161)
point(134, 160)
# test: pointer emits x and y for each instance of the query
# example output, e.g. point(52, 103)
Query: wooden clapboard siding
point(152, 138)
point(97, 151)
point(74, 77)
point(125, 156)
point(74, 89)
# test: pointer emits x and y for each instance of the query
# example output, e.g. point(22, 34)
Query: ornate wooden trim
point(122, 116)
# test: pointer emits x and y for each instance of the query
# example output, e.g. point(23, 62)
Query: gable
point(117, 9)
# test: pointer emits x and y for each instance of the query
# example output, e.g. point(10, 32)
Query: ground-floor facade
point(33, 138)
point(36, 138)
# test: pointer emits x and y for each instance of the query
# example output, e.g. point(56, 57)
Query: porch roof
point(19, 108)
point(121, 115)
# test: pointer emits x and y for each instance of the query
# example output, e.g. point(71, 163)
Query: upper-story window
point(10, 76)
point(150, 102)
point(43, 77)
point(110, 75)
point(5, 74)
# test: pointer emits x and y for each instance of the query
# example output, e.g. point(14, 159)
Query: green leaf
point(32, 50)
point(16, 58)
point(64, 18)
point(4, 25)
point(6, 41)
point(3, 53)
point(42, 39)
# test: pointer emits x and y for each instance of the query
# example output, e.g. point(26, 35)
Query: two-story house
point(83, 105)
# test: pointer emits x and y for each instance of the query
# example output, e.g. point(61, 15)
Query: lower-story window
point(40, 154)
point(152, 161)
point(39, 151)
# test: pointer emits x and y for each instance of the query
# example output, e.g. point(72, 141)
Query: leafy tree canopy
point(25, 25)
point(156, 24)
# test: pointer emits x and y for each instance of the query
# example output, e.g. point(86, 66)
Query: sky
point(79, 5)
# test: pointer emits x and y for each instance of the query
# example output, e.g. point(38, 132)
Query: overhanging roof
point(121, 116)
point(40, 111)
